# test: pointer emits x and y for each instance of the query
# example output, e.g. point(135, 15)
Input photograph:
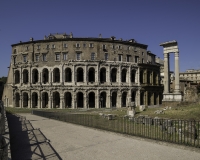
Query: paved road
point(73, 142)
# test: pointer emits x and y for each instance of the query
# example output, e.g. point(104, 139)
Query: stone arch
point(80, 100)
point(35, 76)
point(25, 76)
point(142, 98)
point(17, 77)
point(114, 99)
point(124, 99)
point(141, 76)
point(123, 75)
point(68, 99)
point(148, 77)
point(56, 99)
point(17, 100)
point(149, 94)
point(91, 98)
point(34, 100)
point(91, 75)
point(103, 100)
point(45, 75)
point(154, 78)
point(25, 100)
point(45, 100)
point(56, 75)
point(80, 75)
point(68, 75)
point(114, 75)
point(103, 75)
point(155, 98)
point(133, 73)
point(133, 96)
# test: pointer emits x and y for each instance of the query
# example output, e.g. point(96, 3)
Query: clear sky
point(149, 22)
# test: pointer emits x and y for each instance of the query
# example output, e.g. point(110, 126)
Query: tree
point(3, 79)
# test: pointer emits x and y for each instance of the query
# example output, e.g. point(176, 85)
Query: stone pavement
point(74, 142)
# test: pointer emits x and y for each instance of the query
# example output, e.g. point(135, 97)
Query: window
point(104, 46)
point(48, 46)
point(78, 56)
point(27, 48)
point(65, 45)
point(57, 56)
point(77, 45)
point(128, 48)
point(128, 57)
point(36, 57)
point(44, 57)
point(64, 56)
point(106, 56)
point(92, 56)
point(120, 57)
point(142, 60)
point(143, 53)
point(119, 47)
point(38, 47)
point(136, 59)
point(24, 58)
point(53, 46)
point(91, 45)
point(135, 49)
point(14, 60)
point(113, 47)
point(84, 45)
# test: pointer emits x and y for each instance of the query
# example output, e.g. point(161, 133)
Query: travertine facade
point(66, 72)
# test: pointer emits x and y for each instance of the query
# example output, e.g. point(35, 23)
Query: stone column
point(166, 73)
point(177, 87)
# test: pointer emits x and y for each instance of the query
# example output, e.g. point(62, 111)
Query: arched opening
point(102, 75)
point(123, 75)
point(103, 100)
point(68, 100)
point(80, 75)
point(154, 78)
point(34, 100)
point(68, 75)
point(133, 96)
point(56, 100)
point(91, 100)
point(133, 76)
point(155, 98)
point(142, 98)
point(45, 76)
point(35, 76)
point(25, 76)
point(17, 100)
point(91, 75)
point(124, 95)
point(160, 98)
point(25, 99)
point(56, 75)
point(114, 75)
point(45, 100)
point(17, 77)
point(114, 99)
point(149, 98)
point(141, 77)
point(80, 100)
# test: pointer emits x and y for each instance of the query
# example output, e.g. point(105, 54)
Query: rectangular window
point(135, 49)
point(57, 56)
point(53, 46)
point(77, 45)
point(92, 56)
point(78, 56)
point(38, 47)
point(142, 60)
point(64, 56)
point(104, 46)
point(106, 56)
point(143, 53)
point(113, 47)
point(119, 47)
point(128, 48)
point(14, 60)
point(36, 57)
point(27, 48)
point(136, 59)
point(128, 57)
point(24, 58)
point(48, 46)
point(44, 57)
point(65, 45)
point(120, 57)
point(84, 45)
point(91, 45)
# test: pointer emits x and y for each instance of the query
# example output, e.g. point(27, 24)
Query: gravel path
point(74, 142)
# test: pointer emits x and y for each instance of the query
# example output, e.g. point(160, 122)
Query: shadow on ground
point(28, 142)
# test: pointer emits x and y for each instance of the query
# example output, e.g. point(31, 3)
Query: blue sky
point(149, 22)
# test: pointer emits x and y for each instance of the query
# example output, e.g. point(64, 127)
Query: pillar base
point(172, 97)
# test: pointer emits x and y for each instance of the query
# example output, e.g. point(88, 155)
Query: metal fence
point(185, 132)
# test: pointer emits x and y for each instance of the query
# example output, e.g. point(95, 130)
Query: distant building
point(191, 75)
point(63, 71)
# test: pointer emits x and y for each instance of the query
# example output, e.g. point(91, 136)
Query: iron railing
point(185, 132)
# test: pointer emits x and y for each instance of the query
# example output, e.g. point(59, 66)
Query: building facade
point(191, 75)
point(63, 71)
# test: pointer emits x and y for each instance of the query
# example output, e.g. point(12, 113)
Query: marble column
point(166, 73)
point(177, 88)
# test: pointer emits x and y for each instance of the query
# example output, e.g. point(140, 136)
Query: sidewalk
point(73, 142)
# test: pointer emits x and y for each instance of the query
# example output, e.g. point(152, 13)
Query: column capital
point(176, 54)
point(166, 55)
